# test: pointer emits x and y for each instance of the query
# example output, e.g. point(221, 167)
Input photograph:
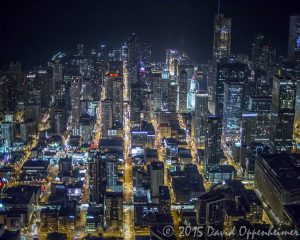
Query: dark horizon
point(33, 31)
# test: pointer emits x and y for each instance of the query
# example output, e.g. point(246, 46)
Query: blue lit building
point(233, 106)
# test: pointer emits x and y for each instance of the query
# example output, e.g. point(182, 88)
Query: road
point(128, 215)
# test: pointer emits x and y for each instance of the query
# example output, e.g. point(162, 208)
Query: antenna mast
point(219, 4)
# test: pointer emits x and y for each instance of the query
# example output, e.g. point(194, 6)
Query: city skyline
point(170, 120)
point(49, 26)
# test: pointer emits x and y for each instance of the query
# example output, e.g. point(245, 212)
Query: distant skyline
point(32, 31)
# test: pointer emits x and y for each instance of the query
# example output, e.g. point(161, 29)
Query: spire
point(219, 5)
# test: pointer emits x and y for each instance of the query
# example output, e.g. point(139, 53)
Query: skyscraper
point(256, 49)
point(8, 133)
point(233, 107)
point(228, 72)
point(146, 53)
point(156, 91)
point(113, 84)
point(283, 112)
point(75, 101)
point(182, 92)
point(294, 37)
point(98, 179)
point(156, 178)
point(213, 143)
point(200, 117)
point(107, 114)
point(58, 85)
point(111, 170)
point(222, 38)
point(172, 56)
point(133, 58)
point(221, 54)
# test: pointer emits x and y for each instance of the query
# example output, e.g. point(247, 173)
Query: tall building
point(283, 112)
point(8, 133)
point(75, 97)
point(200, 118)
point(257, 46)
point(277, 179)
point(159, 90)
point(228, 72)
point(146, 53)
point(114, 210)
point(210, 210)
point(182, 92)
point(233, 107)
point(137, 100)
point(58, 87)
point(213, 143)
point(112, 170)
point(80, 49)
point(113, 84)
point(107, 114)
point(156, 170)
point(11, 87)
point(263, 83)
point(133, 58)
point(261, 106)
point(172, 56)
point(58, 117)
point(172, 96)
point(98, 179)
point(222, 38)
point(294, 37)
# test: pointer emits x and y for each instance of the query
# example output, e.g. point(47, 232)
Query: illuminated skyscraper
point(75, 100)
point(146, 53)
point(172, 96)
point(231, 72)
point(222, 38)
point(58, 85)
point(156, 91)
point(294, 37)
point(133, 58)
point(233, 107)
point(7, 133)
point(256, 49)
point(283, 112)
point(98, 179)
point(182, 92)
point(107, 114)
point(213, 143)
point(113, 84)
point(172, 57)
point(221, 54)
point(200, 117)
point(261, 106)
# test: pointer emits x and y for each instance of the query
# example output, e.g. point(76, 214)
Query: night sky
point(32, 31)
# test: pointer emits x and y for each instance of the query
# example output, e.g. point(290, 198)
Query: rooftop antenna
point(219, 4)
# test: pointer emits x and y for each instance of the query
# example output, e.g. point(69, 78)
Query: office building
point(213, 143)
point(156, 170)
point(235, 72)
point(200, 118)
point(222, 38)
point(172, 56)
point(182, 92)
point(233, 107)
point(277, 182)
point(114, 210)
point(283, 113)
point(294, 37)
